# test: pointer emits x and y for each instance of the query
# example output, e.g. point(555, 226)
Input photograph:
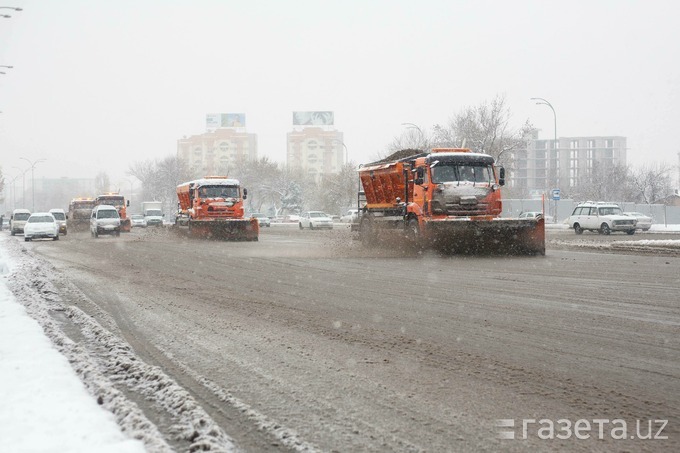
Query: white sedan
point(41, 225)
point(644, 222)
point(315, 219)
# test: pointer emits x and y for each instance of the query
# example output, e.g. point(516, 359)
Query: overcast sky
point(98, 85)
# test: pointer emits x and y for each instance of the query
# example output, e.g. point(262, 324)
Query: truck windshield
point(456, 172)
point(218, 192)
point(113, 201)
point(154, 212)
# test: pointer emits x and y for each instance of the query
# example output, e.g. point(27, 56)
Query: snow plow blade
point(494, 236)
point(236, 229)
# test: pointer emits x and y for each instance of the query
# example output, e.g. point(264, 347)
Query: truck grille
point(466, 209)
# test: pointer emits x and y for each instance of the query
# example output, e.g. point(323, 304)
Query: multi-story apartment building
point(316, 151)
point(216, 152)
point(543, 166)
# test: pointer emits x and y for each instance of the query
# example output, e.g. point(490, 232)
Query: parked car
point(535, 214)
point(315, 219)
point(41, 225)
point(601, 217)
point(262, 219)
point(292, 218)
point(60, 217)
point(18, 220)
point(350, 216)
point(138, 220)
point(644, 222)
point(104, 220)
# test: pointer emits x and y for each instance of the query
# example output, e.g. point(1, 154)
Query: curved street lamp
point(23, 184)
point(346, 151)
point(5, 66)
point(33, 164)
point(7, 16)
point(420, 131)
point(542, 101)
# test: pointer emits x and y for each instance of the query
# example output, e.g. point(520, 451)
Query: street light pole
point(7, 16)
point(345, 146)
point(23, 184)
point(544, 102)
point(413, 126)
point(33, 164)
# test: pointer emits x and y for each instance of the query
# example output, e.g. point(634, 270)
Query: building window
point(591, 144)
point(573, 144)
point(609, 143)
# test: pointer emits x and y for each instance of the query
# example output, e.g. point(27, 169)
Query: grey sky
point(97, 85)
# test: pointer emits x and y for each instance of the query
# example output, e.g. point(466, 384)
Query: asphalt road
point(335, 347)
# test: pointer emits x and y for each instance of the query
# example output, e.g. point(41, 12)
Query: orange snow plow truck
point(447, 199)
point(213, 207)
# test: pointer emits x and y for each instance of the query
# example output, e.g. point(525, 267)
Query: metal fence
point(561, 209)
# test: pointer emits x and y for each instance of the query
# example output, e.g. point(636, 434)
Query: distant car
point(350, 216)
point(601, 217)
point(18, 220)
point(315, 219)
point(644, 222)
point(292, 218)
point(60, 217)
point(138, 220)
point(535, 214)
point(41, 225)
point(262, 219)
point(104, 220)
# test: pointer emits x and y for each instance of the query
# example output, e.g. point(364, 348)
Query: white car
point(535, 214)
point(60, 217)
point(104, 220)
point(644, 222)
point(315, 219)
point(262, 219)
point(18, 220)
point(138, 220)
point(601, 217)
point(41, 225)
point(350, 216)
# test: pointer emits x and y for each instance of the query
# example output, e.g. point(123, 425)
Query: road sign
point(556, 194)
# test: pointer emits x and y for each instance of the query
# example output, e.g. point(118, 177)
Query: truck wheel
point(631, 232)
point(300, 225)
point(604, 229)
point(366, 232)
point(413, 232)
point(578, 229)
point(56, 238)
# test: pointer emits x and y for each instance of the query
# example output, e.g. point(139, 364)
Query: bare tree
point(485, 129)
point(102, 183)
point(652, 182)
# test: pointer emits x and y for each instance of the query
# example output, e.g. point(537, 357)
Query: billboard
point(312, 118)
point(215, 120)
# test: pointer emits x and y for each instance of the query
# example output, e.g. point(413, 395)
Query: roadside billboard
point(312, 118)
point(215, 120)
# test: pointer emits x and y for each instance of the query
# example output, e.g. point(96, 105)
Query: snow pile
point(660, 247)
point(104, 363)
point(45, 407)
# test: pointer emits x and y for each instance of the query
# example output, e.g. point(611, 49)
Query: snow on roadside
point(29, 282)
point(45, 406)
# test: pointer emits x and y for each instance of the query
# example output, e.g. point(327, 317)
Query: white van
point(18, 220)
point(104, 220)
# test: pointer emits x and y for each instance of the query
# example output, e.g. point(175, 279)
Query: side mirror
point(501, 176)
point(245, 193)
point(127, 202)
point(420, 174)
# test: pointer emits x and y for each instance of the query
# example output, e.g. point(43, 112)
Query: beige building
point(316, 151)
point(216, 152)
point(543, 166)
